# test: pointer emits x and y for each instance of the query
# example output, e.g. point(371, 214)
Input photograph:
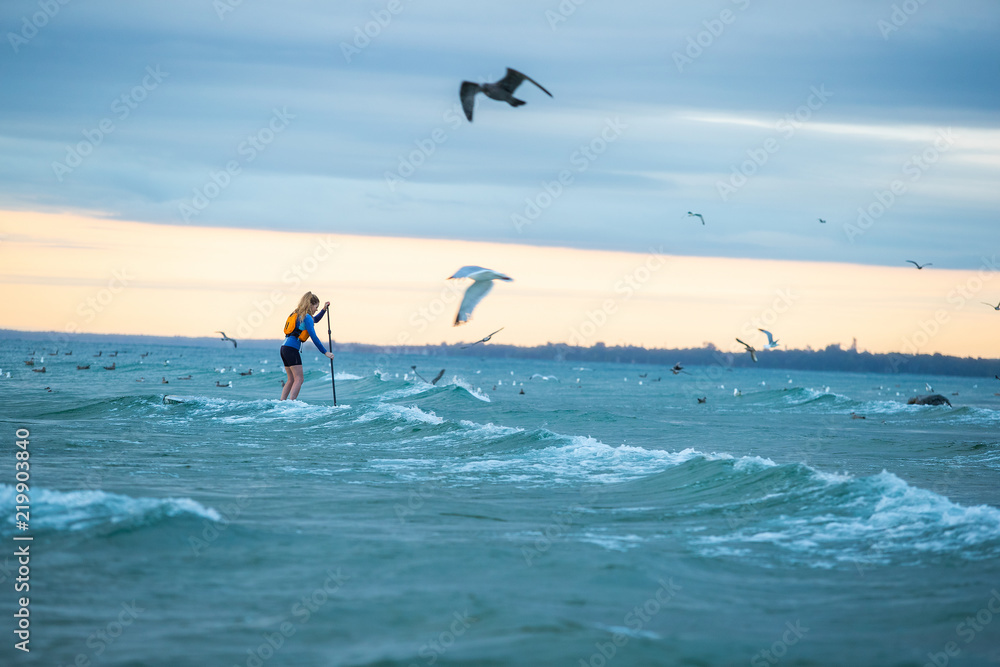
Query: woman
point(299, 327)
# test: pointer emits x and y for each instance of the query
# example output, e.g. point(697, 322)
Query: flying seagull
point(225, 337)
point(434, 381)
point(502, 90)
point(482, 340)
point(771, 342)
point(996, 307)
point(753, 352)
point(697, 215)
point(821, 220)
point(918, 265)
point(477, 290)
point(678, 369)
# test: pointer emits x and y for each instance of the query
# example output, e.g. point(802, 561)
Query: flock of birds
point(482, 278)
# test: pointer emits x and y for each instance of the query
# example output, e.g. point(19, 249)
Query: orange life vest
point(292, 328)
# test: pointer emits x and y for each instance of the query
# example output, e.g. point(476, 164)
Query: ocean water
point(602, 517)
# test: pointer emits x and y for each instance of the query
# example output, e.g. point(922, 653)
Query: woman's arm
point(308, 323)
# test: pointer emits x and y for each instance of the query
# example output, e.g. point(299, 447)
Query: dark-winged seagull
point(919, 266)
point(821, 220)
point(225, 337)
point(482, 340)
point(483, 283)
point(697, 215)
point(434, 381)
point(771, 341)
point(678, 369)
point(502, 90)
point(753, 352)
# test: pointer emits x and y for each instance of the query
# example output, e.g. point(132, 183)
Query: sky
point(260, 129)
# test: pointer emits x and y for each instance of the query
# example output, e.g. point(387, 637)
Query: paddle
point(329, 339)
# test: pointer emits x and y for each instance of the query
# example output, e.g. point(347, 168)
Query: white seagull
point(753, 352)
point(502, 90)
point(697, 215)
point(477, 290)
point(771, 342)
point(919, 266)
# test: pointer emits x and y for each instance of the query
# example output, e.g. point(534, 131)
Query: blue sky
point(261, 115)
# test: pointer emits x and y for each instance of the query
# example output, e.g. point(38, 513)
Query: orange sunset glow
point(69, 273)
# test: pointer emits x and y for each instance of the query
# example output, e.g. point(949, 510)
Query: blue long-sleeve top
point(307, 324)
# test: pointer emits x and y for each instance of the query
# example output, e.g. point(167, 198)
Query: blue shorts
point(290, 356)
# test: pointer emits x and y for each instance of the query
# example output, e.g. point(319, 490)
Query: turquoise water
point(598, 518)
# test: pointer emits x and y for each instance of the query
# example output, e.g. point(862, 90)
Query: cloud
point(348, 160)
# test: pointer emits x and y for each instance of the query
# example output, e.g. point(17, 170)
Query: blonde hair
point(301, 310)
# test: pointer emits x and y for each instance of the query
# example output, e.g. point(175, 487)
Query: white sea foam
point(473, 391)
point(875, 519)
point(490, 429)
point(82, 510)
point(401, 412)
point(611, 542)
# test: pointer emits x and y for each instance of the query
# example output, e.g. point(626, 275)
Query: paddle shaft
point(329, 339)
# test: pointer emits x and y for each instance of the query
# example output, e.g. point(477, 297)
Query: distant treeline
point(833, 358)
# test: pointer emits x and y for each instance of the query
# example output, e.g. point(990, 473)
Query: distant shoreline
point(832, 358)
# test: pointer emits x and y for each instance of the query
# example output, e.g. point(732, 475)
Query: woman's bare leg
point(288, 383)
point(296, 383)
